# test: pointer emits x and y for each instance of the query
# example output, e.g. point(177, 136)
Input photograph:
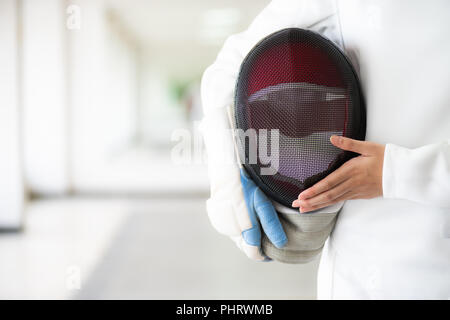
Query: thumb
point(361, 147)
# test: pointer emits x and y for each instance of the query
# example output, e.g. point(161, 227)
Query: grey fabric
point(306, 233)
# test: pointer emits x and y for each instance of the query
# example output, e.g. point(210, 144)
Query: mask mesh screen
point(296, 88)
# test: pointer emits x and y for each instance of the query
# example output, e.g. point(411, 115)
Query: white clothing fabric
point(398, 245)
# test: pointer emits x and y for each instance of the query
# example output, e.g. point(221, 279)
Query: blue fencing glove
point(262, 214)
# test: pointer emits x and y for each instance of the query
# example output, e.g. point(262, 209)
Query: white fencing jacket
point(398, 245)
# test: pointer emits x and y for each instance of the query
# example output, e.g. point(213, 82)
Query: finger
point(332, 180)
point(325, 198)
point(346, 196)
point(361, 147)
point(269, 220)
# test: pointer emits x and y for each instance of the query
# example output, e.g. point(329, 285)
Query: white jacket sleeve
point(421, 175)
point(226, 207)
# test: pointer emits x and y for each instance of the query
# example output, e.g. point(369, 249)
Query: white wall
point(159, 113)
point(89, 94)
point(45, 96)
point(80, 94)
point(11, 185)
point(104, 95)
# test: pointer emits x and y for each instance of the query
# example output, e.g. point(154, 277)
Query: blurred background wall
point(94, 95)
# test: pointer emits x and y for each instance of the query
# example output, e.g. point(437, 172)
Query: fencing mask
point(295, 89)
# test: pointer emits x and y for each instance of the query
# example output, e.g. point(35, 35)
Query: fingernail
point(335, 139)
point(295, 204)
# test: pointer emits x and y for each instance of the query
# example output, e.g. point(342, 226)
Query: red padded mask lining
point(290, 63)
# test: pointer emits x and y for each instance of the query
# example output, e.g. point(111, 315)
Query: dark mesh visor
point(301, 85)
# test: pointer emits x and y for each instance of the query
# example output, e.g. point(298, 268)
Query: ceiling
point(180, 35)
point(180, 22)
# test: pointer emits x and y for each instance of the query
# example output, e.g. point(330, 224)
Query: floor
point(88, 248)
